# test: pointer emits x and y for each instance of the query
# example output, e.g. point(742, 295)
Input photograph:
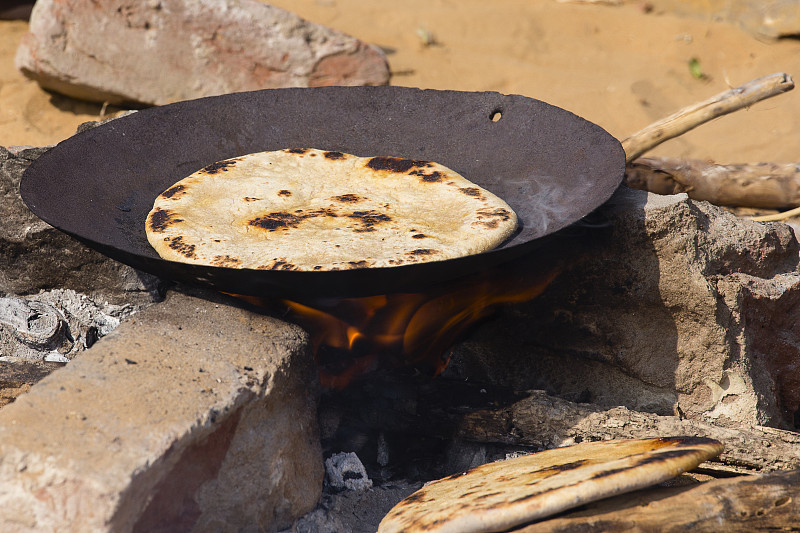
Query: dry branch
point(694, 115)
point(768, 502)
point(764, 185)
point(778, 216)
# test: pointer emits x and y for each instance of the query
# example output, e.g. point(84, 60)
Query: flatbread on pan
point(309, 209)
point(498, 496)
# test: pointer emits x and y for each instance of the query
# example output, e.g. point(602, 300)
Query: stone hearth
point(200, 413)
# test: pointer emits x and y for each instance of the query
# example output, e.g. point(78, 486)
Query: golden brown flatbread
point(498, 496)
point(308, 209)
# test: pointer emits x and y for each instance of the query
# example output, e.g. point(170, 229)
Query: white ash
point(344, 471)
point(55, 325)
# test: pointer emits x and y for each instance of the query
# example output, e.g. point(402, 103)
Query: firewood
point(778, 216)
point(764, 185)
point(694, 115)
point(500, 417)
point(545, 421)
point(767, 502)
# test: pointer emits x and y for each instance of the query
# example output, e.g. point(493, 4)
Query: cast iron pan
point(551, 166)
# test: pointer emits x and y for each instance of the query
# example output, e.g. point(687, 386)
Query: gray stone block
point(682, 308)
point(163, 51)
point(194, 415)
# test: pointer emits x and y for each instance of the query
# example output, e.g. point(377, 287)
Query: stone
point(163, 51)
point(36, 257)
point(196, 414)
point(677, 307)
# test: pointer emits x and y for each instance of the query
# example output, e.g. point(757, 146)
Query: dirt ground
point(621, 67)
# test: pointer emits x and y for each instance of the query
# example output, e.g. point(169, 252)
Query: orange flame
point(351, 336)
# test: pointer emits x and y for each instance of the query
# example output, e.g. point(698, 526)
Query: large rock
point(195, 415)
point(162, 51)
point(34, 256)
point(682, 308)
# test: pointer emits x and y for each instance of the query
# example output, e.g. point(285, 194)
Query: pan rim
point(93, 139)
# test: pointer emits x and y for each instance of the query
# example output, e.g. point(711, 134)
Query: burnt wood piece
point(426, 416)
point(764, 502)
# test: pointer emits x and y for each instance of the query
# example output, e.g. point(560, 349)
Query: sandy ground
point(621, 67)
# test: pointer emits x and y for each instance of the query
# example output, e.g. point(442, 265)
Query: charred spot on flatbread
point(251, 199)
point(277, 220)
point(226, 261)
point(423, 252)
point(185, 249)
point(285, 220)
point(427, 177)
point(333, 155)
point(296, 150)
point(348, 198)
point(471, 191)
point(284, 193)
point(278, 264)
point(219, 166)
point(368, 220)
point(492, 218)
point(419, 236)
point(176, 191)
point(395, 164)
point(502, 214)
point(161, 219)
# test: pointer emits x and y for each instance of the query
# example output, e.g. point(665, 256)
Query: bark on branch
point(764, 185)
point(694, 115)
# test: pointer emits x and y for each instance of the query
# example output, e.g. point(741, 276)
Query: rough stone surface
point(680, 308)
point(194, 415)
point(35, 257)
point(162, 51)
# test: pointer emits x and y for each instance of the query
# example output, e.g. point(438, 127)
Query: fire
point(351, 336)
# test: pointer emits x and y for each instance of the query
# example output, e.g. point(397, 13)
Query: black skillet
point(550, 165)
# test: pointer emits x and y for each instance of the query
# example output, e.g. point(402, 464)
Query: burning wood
point(353, 335)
